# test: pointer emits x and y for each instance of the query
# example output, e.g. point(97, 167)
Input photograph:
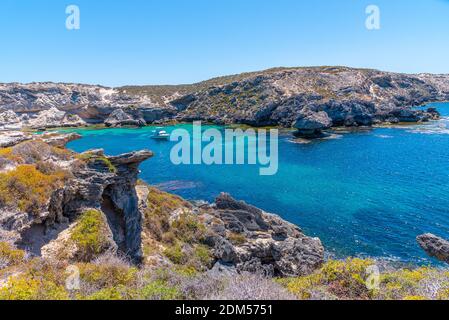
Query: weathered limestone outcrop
point(311, 124)
point(53, 118)
point(350, 97)
point(120, 117)
point(106, 184)
point(59, 140)
point(11, 138)
point(434, 246)
point(255, 241)
point(9, 120)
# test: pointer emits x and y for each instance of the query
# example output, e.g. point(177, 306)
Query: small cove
point(365, 193)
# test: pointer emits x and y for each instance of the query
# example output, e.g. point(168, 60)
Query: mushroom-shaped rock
point(311, 124)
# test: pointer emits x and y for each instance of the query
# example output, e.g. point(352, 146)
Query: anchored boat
point(160, 134)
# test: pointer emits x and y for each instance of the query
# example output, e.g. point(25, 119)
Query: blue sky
point(182, 41)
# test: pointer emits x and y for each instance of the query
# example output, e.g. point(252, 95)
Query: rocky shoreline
point(266, 243)
point(79, 208)
point(308, 99)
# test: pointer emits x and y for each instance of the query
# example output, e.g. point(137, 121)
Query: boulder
point(434, 246)
point(311, 124)
point(433, 114)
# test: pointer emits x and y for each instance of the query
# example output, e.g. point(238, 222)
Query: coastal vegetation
point(89, 235)
point(109, 277)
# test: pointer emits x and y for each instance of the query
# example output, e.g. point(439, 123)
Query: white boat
point(160, 135)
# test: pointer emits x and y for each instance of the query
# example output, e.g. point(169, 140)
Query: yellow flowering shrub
point(24, 287)
point(27, 188)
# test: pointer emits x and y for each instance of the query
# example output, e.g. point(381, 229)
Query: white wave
point(437, 127)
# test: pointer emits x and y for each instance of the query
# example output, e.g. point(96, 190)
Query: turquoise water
point(365, 193)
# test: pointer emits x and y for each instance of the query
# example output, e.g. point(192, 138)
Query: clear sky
point(182, 41)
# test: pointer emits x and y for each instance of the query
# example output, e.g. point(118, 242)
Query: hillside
point(280, 96)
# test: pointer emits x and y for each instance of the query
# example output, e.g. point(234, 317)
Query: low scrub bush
point(27, 188)
point(89, 235)
point(94, 158)
point(10, 256)
point(336, 279)
point(159, 290)
point(30, 288)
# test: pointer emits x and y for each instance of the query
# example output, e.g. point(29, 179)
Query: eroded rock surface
point(311, 124)
point(106, 184)
point(120, 117)
point(434, 246)
point(255, 241)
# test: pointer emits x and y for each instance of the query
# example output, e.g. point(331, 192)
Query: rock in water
point(434, 246)
point(311, 124)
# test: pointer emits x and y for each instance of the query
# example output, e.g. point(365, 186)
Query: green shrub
point(159, 207)
point(402, 283)
point(89, 234)
point(113, 293)
point(159, 290)
point(92, 158)
point(107, 276)
point(342, 279)
point(176, 254)
point(203, 255)
point(188, 228)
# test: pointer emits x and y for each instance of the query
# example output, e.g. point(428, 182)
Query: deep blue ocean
point(365, 193)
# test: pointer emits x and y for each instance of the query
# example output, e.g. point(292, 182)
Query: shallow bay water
point(364, 193)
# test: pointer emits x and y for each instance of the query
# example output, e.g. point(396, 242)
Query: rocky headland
point(237, 235)
point(309, 99)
